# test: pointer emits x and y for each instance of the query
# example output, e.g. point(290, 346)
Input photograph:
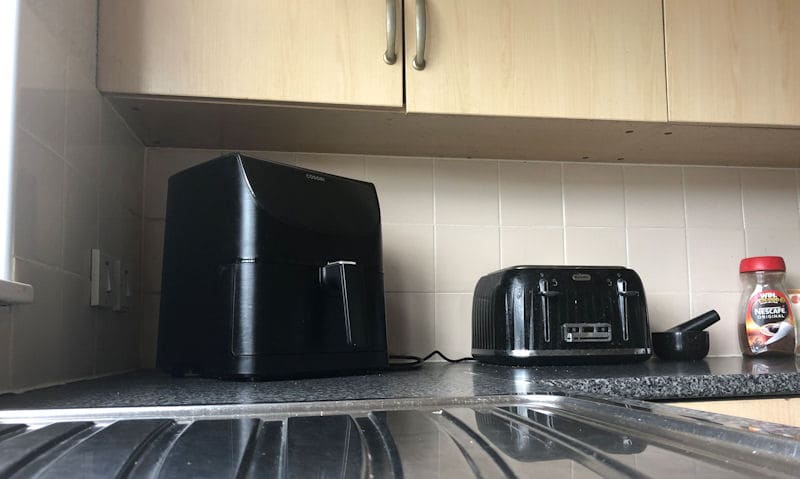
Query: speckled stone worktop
point(652, 380)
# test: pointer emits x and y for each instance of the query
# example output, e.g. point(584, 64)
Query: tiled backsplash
point(448, 221)
point(77, 186)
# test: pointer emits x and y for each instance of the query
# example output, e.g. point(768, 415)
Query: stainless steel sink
point(552, 436)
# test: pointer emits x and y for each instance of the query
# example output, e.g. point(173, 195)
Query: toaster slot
point(586, 332)
point(622, 299)
point(544, 297)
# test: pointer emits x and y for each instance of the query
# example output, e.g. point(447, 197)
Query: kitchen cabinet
point(558, 80)
point(310, 51)
point(591, 59)
point(781, 411)
point(733, 61)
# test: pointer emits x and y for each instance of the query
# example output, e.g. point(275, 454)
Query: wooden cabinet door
point(597, 59)
point(733, 61)
point(310, 51)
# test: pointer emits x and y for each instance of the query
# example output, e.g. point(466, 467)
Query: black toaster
point(270, 271)
point(529, 315)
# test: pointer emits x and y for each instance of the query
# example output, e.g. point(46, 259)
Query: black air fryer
point(529, 315)
point(270, 271)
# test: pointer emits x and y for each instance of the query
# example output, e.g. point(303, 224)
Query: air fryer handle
point(344, 282)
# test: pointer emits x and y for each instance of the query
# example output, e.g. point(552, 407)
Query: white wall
point(78, 186)
point(448, 221)
point(8, 76)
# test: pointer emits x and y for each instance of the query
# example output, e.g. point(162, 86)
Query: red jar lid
point(762, 263)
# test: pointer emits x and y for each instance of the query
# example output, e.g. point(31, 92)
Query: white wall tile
point(78, 333)
point(536, 246)
point(595, 246)
point(120, 233)
point(769, 197)
point(714, 256)
point(117, 343)
point(530, 194)
point(410, 323)
point(37, 333)
point(405, 188)
point(408, 258)
point(724, 335)
point(80, 221)
point(454, 325)
point(349, 166)
point(121, 164)
point(593, 195)
point(777, 241)
point(41, 73)
point(39, 186)
point(466, 244)
point(466, 192)
point(654, 196)
point(666, 310)
point(76, 162)
point(463, 255)
point(152, 255)
point(82, 127)
point(659, 256)
point(161, 163)
point(713, 197)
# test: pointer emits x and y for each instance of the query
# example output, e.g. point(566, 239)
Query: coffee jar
point(766, 322)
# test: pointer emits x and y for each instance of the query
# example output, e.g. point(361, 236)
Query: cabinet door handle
point(390, 55)
point(422, 26)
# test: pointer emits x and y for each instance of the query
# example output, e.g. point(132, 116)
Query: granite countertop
point(652, 380)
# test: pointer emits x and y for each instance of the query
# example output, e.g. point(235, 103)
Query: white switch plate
point(122, 286)
point(102, 280)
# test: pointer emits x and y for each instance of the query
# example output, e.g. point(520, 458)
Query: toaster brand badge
point(581, 277)
point(314, 177)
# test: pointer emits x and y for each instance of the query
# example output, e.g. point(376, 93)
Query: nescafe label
point(769, 322)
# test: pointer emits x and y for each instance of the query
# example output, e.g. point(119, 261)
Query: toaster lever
point(622, 300)
point(545, 295)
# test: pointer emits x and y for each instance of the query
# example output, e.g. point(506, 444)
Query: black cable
point(437, 352)
point(413, 362)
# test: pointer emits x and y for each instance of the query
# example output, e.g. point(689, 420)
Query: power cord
point(413, 362)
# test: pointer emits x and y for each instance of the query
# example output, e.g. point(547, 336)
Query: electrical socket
point(102, 280)
point(122, 286)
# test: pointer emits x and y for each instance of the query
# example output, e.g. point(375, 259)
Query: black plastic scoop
point(687, 341)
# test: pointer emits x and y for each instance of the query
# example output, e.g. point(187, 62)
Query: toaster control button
point(586, 332)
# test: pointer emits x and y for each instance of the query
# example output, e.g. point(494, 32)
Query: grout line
point(434, 162)
point(499, 219)
point(797, 191)
point(142, 225)
point(563, 216)
point(666, 65)
point(625, 217)
point(64, 165)
point(686, 240)
point(64, 194)
point(741, 197)
point(40, 264)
